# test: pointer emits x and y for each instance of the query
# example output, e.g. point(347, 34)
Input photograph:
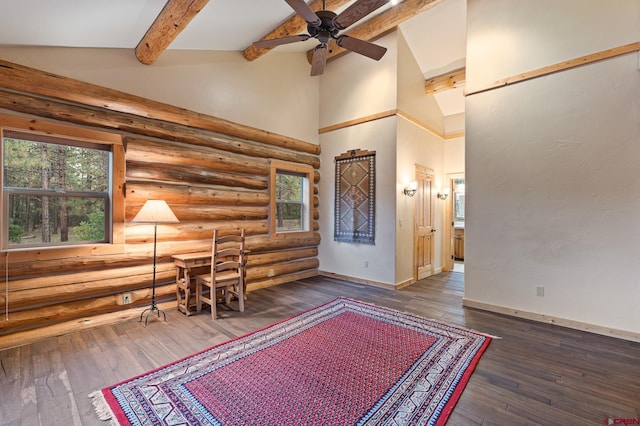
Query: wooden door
point(424, 231)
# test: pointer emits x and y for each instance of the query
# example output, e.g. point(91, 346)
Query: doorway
point(458, 224)
point(455, 218)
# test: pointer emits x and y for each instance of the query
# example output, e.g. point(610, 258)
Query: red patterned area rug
point(342, 363)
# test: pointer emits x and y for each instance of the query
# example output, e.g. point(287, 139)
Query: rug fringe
point(102, 408)
point(490, 335)
point(459, 326)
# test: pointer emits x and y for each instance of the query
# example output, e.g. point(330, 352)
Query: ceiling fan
point(325, 25)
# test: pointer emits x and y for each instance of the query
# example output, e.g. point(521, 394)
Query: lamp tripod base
point(151, 310)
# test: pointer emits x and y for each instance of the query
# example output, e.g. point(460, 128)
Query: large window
point(56, 190)
point(291, 197)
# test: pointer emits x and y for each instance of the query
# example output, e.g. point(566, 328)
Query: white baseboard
point(563, 322)
point(358, 280)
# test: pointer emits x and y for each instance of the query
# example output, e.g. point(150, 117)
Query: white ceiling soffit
point(451, 102)
point(438, 41)
point(438, 37)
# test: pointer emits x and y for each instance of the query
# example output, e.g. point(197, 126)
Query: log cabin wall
point(213, 174)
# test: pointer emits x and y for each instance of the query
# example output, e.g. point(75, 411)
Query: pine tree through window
point(289, 202)
point(56, 191)
point(291, 195)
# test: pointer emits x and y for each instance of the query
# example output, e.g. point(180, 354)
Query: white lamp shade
point(155, 211)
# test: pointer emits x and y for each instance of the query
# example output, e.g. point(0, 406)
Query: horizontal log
point(242, 146)
point(261, 259)
point(45, 296)
point(51, 281)
point(85, 263)
point(269, 271)
point(81, 323)
point(139, 192)
point(264, 243)
point(270, 282)
point(180, 154)
point(185, 233)
point(137, 170)
point(135, 255)
point(207, 213)
point(46, 315)
point(30, 80)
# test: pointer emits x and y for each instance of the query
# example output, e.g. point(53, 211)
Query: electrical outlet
point(540, 291)
point(366, 263)
point(126, 298)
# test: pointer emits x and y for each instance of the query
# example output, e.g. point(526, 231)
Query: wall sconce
point(410, 189)
point(443, 194)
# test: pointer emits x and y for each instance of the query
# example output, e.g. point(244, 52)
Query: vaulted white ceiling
point(436, 37)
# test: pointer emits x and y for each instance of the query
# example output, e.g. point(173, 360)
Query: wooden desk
point(185, 265)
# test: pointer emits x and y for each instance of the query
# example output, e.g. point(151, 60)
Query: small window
point(291, 197)
point(57, 185)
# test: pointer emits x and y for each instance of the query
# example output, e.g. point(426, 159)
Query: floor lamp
point(154, 211)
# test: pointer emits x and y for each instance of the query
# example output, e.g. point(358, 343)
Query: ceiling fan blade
point(319, 60)
point(357, 11)
point(305, 12)
point(265, 44)
point(362, 47)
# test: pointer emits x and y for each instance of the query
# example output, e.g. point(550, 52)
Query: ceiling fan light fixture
point(325, 25)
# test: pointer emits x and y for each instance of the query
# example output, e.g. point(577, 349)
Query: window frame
point(306, 172)
point(43, 130)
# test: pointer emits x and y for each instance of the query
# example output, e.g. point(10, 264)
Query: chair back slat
point(227, 271)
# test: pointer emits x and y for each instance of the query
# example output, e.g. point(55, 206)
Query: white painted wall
point(454, 155)
point(411, 98)
point(506, 37)
point(552, 163)
point(273, 93)
point(348, 258)
point(355, 86)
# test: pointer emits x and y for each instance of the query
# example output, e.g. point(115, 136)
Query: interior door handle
point(433, 230)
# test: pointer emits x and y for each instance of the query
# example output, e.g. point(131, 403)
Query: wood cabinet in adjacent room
point(458, 244)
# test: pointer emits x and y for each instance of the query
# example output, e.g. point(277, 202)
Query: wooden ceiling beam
point(174, 17)
point(292, 26)
point(381, 24)
point(450, 80)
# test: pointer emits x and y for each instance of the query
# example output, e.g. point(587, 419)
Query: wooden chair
point(227, 273)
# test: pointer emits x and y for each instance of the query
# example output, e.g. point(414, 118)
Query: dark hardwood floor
point(535, 374)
